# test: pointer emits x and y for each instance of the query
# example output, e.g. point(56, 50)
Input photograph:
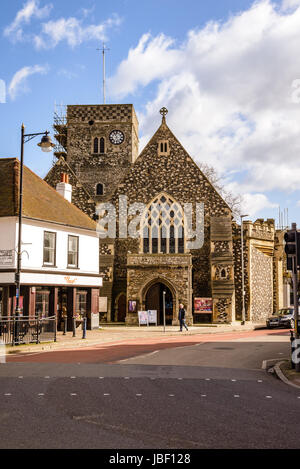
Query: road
point(186, 392)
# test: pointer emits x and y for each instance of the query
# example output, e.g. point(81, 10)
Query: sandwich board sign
point(143, 318)
point(152, 316)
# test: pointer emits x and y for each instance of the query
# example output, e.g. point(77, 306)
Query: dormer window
point(99, 145)
point(163, 148)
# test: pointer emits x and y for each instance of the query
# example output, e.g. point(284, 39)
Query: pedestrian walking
point(181, 317)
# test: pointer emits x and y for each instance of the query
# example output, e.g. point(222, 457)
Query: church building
point(98, 149)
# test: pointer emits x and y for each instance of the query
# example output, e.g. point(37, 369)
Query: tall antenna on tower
point(104, 49)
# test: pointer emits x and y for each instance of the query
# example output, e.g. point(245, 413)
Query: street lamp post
point(243, 282)
point(164, 309)
point(46, 146)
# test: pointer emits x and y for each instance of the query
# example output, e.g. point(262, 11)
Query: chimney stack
point(64, 188)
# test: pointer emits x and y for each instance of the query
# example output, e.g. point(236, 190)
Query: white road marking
point(203, 395)
point(139, 356)
point(47, 377)
point(101, 377)
point(268, 397)
point(233, 380)
point(41, 394)
point(20, 377)
point(73, 394)
point(207, 379)
point(138, 395)
point(72, 377)
point(259, 380)
point(126, 377)
point(236, 395)
point(106, 394)
point(7, 394)
point(171, 395)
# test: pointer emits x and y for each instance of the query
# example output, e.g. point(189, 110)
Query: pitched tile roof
point(40, 201)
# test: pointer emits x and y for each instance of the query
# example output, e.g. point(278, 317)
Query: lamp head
point(46, 144)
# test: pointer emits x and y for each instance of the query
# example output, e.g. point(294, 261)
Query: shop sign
point(6, 257)
point(70, 281)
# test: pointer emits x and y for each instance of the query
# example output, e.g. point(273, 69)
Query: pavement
point(115, 334)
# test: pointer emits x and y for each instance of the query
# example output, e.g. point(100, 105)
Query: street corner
point(283, 370)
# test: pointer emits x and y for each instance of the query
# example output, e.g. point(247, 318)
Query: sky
point(227, 71)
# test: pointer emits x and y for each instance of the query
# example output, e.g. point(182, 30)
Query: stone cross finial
point(164, 111)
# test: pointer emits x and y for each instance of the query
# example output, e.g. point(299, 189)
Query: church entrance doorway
point(121, 308)
point(154, 300)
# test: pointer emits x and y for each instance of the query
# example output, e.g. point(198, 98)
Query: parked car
point(282, 318)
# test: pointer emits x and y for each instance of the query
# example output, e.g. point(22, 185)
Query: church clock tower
point(101, 143)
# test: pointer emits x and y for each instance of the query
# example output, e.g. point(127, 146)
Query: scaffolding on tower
point(60, 127)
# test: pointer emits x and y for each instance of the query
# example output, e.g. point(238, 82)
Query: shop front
point(73, 297)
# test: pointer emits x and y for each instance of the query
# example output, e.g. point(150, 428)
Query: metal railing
point(27, 330)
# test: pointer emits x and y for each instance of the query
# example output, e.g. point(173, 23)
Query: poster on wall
point(143, 318)
point(6, 257)
point(203, 305)
point(102, 304)
point(132, 306)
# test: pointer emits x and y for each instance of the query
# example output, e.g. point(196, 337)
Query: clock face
point(116, 137)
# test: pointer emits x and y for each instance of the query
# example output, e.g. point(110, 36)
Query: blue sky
point(226, 70)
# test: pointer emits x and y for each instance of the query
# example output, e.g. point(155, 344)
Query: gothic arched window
point(99, 189)
point(163, 227)
point(102, 145)
point(96, 145)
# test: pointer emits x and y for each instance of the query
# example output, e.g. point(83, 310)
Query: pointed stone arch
point(150, 282)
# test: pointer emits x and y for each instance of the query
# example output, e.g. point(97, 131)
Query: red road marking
point(119, 350)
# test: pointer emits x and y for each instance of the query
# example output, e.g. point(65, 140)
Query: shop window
point(81, 304)
point(49, 248)
point(73, 244)
point(1, 301)
point(42, 303)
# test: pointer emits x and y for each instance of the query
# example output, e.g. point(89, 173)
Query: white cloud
point(290, 4)
point(30, 10)
point(73, 31)
point(254, 203)
point(229, 90)
point(18, 84)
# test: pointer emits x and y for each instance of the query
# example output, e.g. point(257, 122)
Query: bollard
point(55, 329)
point(293, 347)
point(84, 328)
point(74, 327)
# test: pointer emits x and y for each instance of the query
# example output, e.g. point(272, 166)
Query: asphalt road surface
point(189, 393)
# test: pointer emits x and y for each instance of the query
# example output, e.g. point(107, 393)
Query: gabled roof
point(40, 201)
point(165, 171)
